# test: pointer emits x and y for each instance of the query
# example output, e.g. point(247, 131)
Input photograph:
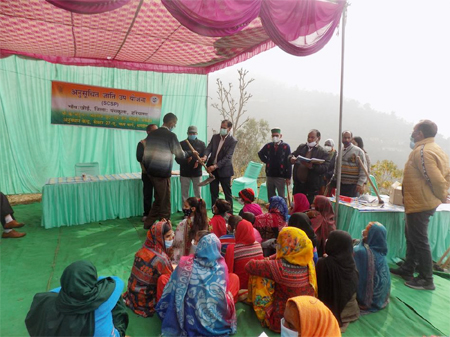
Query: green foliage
point(386, 173)
point(251, 137)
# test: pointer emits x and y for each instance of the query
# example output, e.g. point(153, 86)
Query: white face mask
point(168, 243)
point(285, 332)
point(312, 144)
point(275, 139)
point(327, 148)
point(241, 201)
point(223, 132)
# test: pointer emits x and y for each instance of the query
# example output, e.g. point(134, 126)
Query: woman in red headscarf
point(300, 204)
point(245, 249)
point(247, 198)
point(322, 220)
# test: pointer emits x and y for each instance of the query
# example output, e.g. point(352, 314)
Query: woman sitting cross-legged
point(273, 282)
point(198, 300)
point(307, 316)
point(269, 224)
point(151, 270)
point(246, 249)
point(247, 197)
point(84, 305)
point(218, 222)
point(374, 278)
point(322, 220)
point(301, 221)
point(197, 220)
point(337, 278)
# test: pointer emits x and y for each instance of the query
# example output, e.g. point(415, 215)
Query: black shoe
point(401, 272)
point(420, 284)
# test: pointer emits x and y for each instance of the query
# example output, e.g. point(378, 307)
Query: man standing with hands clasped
point(426, 181)
point(220, 155)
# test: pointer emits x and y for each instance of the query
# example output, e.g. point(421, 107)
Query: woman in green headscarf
point(84, 305)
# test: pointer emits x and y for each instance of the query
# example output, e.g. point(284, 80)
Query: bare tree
point(228, 107)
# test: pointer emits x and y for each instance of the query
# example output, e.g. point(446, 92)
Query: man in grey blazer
point(220, 154)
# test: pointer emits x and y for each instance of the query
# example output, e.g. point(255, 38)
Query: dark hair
point(301, 221)
point(233, 221)
point(316, 131)
point(170, 117)
point(428, 128)
point(200, 217)
point(229, 124)
point(359, 141)
point(201, 234)
point(223, 206)
point(150, 127)
point(249, 217)
point(347, 131)
point(166, 228)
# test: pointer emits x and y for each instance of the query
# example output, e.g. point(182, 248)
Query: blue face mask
point(223, 132)
point(168, 243)
point(412, 143)
point(171, 129)
point(192, 137)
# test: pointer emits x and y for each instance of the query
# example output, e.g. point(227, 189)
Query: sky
point(397, 59)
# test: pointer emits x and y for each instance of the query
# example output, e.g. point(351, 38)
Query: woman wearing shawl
point(307, 316)
point(273, 282)
point(374, 277)
point(269, 224)
point(337, 278)
point(300, 204)
point(245, 250)
point(84, 305)
point(151, 270)
point(196, 301)
point(218, 222)
point(322, 220)
point(247, 198)
point(301, 221)
point(197, 220)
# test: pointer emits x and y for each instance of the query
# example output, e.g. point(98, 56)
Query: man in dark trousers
point(190, 168)
point(148, 187)
point(220, 154)
point(161, 145)
point(308, 176)
point(8, 221)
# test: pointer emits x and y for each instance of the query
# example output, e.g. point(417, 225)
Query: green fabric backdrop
point(33, 150)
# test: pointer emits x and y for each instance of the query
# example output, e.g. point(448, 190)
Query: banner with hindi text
point(79, 104)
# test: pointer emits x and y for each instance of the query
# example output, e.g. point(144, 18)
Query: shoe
point(144, 218)
point(13, 235)
point(420, 284)
point(13, 224)
point(401, 272)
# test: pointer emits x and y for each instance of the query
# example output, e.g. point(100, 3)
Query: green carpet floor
point(35, 264)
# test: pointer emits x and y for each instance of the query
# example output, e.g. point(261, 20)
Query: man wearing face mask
point(278, 167)
point(220, 155)
point(161, 145)
point(353, 176)
point(426, 181)
point(190, 169)
point(308, 176)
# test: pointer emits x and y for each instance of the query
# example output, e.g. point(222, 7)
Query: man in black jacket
point(190, 168)
point(220, 152)
point(308, 176)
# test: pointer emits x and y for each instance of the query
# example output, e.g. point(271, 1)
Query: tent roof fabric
point(140, 35)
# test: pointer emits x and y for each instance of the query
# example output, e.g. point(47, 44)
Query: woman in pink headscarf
point(300, 204)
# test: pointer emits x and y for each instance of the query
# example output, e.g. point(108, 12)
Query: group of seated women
point(290, 291)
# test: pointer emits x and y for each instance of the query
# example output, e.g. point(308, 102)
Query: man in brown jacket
point(426, 182)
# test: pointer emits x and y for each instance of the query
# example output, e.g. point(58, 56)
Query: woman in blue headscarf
point(197, 300)
point(271, 223)
point(374, 278)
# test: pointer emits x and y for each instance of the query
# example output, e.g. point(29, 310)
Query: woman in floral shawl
point(374, 277)
point(197, 301)
point(272, 282)
point(151, 270)
point(322, 220)
point(269, 224)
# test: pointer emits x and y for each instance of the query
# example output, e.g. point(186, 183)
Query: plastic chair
point(249, 180)
point(374, 182)
point(91, 169)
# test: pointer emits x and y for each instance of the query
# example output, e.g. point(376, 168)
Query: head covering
point(196, 300)
point(337, 277)
point(301, 203)
point(278, 204)
point(323, 224)
point(247, 195)
point(192, 129)
point(301, 221)
point(294, 246)
point(71, 311)
point(329, 142)
point(276, 130)
point(244, 233)
point(311, 317)
point(374, 277)
point(155, 237)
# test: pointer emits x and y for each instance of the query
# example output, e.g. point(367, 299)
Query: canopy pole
point(341, 101)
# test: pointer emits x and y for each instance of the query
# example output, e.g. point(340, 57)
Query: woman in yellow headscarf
point(307, 316)
point(272, 282)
